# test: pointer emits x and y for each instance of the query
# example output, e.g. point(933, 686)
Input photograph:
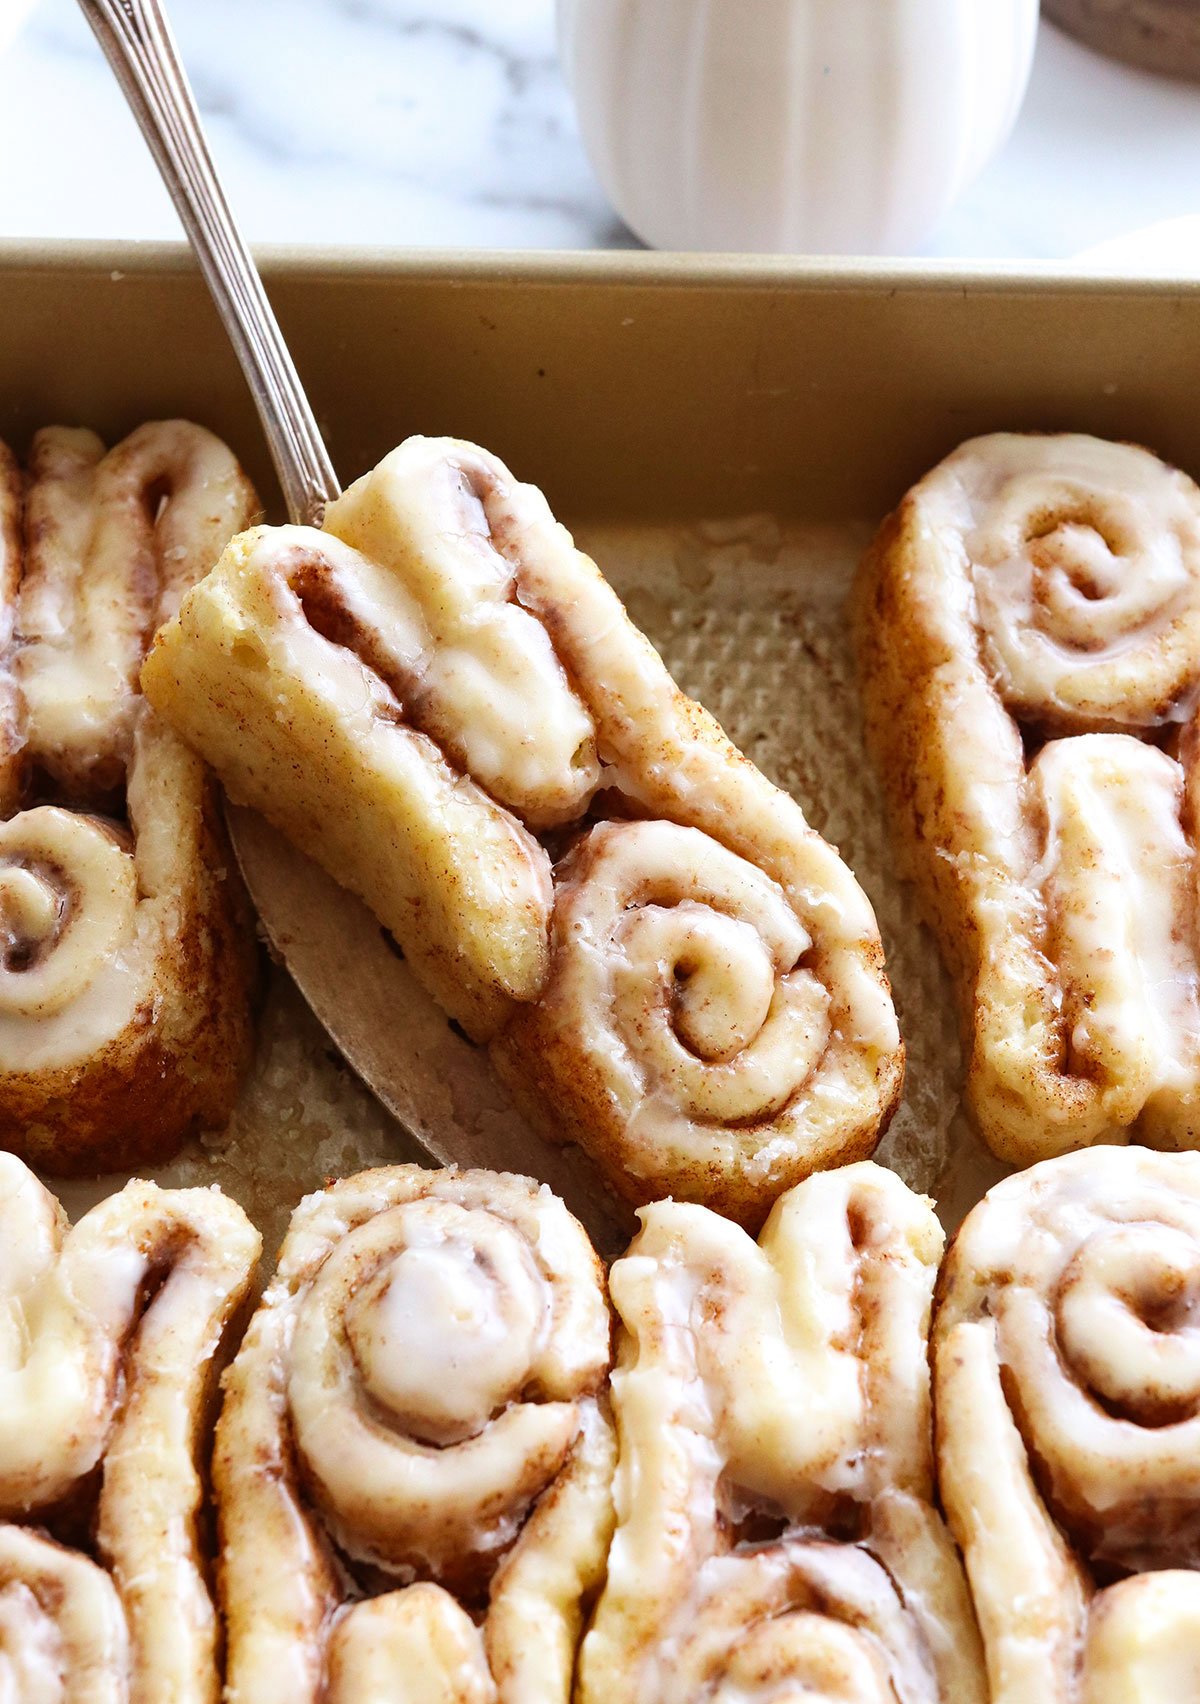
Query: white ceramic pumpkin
point(798, 126)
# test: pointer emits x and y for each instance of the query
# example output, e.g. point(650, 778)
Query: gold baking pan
point(723, 435)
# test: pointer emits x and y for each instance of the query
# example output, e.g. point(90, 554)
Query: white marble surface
point(435, 122)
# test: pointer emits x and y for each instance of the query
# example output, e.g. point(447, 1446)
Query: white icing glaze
point(424, 1370)
point(1067, 1355)
point(68, 904)
point(111, 958)
point(480, 672)
point(1144, 1641)
point(1119, 880)
point(677, 975)
point(417, 1645)
point(408, 691)
point(116, 959)
point(786, 1379)
point(805, 1621)
point(62, 1630)
point(390, 1498)
point(691, 1087)
point(1031, 589)
point(115, 540)
point(299, 724)
point(81, 1390)
point(31, 1654)
point(442, 1341)
point(1084, 556)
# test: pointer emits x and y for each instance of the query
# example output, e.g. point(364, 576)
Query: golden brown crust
point(125, 988)
point(907, 734)
point(1026, 627)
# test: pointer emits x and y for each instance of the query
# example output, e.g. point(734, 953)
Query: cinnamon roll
point(1067, 1373)
point(62, 1629)
point(1029, 627)
point(110, 1338)
point(776, 1535)
point(435, 695)
point(125, 946)
point(413, 1459)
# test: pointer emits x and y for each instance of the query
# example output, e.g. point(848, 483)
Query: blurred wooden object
point(1162, 35)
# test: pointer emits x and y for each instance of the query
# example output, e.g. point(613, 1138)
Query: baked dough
point(1029, 628)
point(776, 1533)
point(111, 1335)
point(443, 701)
point(1067, 1379)
point(416, 1420)
point(126, 945)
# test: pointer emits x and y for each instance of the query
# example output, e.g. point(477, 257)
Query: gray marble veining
point(446, 122)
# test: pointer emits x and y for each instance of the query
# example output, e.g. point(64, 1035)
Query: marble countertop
point(445, 122)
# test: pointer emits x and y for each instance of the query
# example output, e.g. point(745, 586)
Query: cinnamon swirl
point(125, 948)
point(110, 1335)
point(1029, 626)
point(1067, 1373)
point(776, 1535)
point(413, 1459)
point(438, 692)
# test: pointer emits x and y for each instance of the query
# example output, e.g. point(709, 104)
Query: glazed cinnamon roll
point(437, 693)
point(125, 950)
point(62, 1630)
point(776, 1535)
point(1067, 1375)
point(1029, 626)
point(413, 1459)
point(110, 1338)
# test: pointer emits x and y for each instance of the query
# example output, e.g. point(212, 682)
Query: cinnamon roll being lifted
point(1067, 1379)
point(1029, 625)
point(414, 1457)
point(776, 1535)
point(125, 943)
point(110, 1339)
point(437, 693)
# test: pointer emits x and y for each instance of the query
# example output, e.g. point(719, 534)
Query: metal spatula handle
point(138, 43)
point(368, 1000)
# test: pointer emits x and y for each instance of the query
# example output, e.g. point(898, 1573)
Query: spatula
point(434, 1082)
